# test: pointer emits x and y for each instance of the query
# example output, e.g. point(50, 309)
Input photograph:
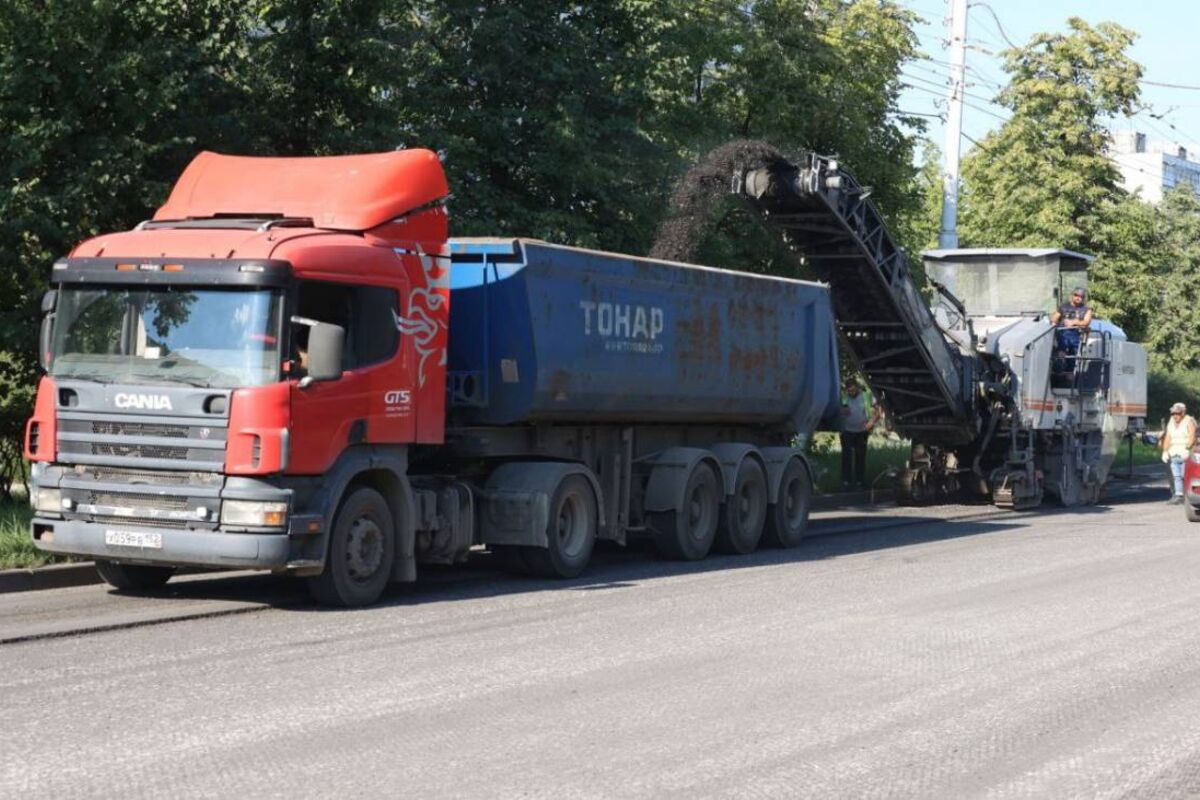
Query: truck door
point(329, 416)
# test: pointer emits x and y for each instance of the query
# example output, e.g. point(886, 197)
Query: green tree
point(1044, 178)
point(818, 75)
point(1175, 335)
point(541, 109)
point(102, 104)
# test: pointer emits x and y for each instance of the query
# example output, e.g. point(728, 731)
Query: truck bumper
point(179, 547)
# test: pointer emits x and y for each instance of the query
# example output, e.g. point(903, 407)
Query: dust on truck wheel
point(362, 547)
point(787, 518)
point(744, 512)
point(570, 531)
point(687, 534)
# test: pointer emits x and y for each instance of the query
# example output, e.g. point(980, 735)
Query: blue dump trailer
point(595, 395)
point(543, 333)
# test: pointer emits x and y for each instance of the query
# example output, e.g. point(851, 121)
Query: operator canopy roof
point(353, 193)
point(1005, 252)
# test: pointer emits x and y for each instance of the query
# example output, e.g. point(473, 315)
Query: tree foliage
point(1044, 176)
point(557, 119)
point(1045, 179)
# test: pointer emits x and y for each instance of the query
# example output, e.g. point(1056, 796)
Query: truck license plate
point(143, 539)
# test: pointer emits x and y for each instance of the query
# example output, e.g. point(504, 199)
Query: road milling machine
point(995, 401)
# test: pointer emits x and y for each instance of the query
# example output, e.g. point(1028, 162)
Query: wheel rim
point(749, 504)
point(364, 549)
point(700, 510)
point(794, 503)
point(571, 526)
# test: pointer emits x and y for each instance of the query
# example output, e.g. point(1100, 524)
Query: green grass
point(825, 456)
point(16, 548)
point(884, 453)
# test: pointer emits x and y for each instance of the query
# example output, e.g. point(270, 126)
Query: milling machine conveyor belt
point(920, 377)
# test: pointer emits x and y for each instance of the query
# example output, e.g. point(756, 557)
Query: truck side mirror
point(325, 342)
point(49, 303)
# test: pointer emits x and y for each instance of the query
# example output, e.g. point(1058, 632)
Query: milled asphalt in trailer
point(26, 616)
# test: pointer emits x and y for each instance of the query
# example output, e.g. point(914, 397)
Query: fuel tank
point(545, 333)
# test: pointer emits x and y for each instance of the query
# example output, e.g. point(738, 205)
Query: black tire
point(744, 512)
point(915, 488)
point(362, 548)
point(133, 577)
point(570, 532)
point(787, 517)
point(1190, 511)
point(688, 534)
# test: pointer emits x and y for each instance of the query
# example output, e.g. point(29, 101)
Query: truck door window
point(367, 313)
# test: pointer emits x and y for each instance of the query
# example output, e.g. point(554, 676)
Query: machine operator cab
point(1002, 302)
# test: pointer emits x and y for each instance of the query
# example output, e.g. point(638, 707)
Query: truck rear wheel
point(133, 577)
point(362, 546)
point(570, 532)
point(687, 534)
point(787, 518)
point(744, 512)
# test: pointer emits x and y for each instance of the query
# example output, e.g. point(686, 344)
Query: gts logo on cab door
point(142, 402)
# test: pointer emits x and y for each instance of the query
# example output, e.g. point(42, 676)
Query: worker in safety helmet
point(858, 415)
point(1177, 441)
point(1072, 318)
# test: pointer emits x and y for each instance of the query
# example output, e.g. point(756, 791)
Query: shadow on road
point(614, 568)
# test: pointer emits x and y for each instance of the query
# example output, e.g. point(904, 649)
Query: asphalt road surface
point(1008, 655)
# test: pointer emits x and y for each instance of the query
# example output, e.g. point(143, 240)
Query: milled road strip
point(1046, 655)
point(85, 610)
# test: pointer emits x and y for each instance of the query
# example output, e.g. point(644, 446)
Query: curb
point(54, 576)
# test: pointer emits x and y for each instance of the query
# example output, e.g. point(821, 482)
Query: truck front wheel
point(362, 546)
point(687, 534)
point(133, 577)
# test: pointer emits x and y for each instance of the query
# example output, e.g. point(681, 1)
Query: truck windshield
point(223, 338)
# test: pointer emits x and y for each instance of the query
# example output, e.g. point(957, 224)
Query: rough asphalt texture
point(1049, 655)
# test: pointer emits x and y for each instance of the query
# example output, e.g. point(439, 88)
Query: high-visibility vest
point(1178, 436)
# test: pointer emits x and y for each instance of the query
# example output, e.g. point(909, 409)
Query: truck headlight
point(253, 512)
point(47, 500)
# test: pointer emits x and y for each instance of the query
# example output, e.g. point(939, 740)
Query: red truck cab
point(216, 375)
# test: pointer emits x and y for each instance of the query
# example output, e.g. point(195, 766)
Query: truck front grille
point(140, 451)
point(106, 440)
point(109, 428)
point(145, 476)
point(135, 500)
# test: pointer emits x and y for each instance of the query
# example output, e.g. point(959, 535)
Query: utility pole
point(948, 236)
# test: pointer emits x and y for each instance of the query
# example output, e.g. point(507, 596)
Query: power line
point(996, 19)
point(1171, 85)
point(973, 96)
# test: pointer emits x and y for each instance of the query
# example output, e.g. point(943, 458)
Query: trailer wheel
point(570, 531)
point(362, 546)
point(133, 577)
point(687, 534)
point(745, 511)
point(787, 518)
point(1192, 513)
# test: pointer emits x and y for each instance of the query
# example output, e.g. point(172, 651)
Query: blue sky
point(1168, 50)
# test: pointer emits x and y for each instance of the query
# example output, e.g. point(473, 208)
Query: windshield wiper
point(84, 376)
point(158, 378)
